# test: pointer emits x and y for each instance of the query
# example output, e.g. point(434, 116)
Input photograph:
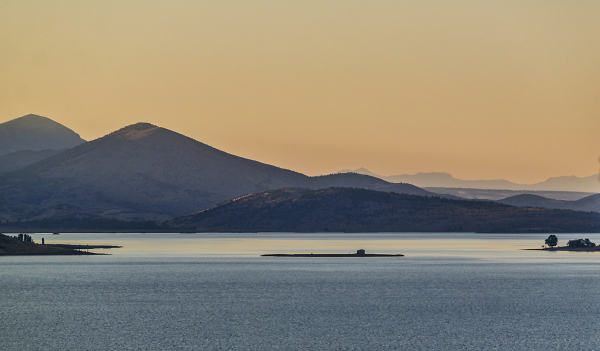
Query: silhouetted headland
point(23, 245)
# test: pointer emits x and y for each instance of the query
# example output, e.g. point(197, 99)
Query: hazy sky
point(480, 89)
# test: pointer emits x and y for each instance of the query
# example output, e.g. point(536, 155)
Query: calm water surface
point(214, 292)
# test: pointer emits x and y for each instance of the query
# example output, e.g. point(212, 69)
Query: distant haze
point(589, 184)
point(479, 89)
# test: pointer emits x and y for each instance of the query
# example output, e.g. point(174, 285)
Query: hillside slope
point(19, 159)
point(359, 210)
point(147, 172)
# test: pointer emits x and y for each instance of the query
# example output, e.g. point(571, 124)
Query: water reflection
point(479, 246)
point(214, 292)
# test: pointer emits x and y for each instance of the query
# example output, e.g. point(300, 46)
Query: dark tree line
point(580, 243)
point(552, 241)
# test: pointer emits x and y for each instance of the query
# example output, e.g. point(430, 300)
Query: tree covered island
point(551, 244)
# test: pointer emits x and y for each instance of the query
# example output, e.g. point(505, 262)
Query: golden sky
point(480, 89)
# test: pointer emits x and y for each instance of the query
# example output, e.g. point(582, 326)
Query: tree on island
point(552, 240)
point(580, 243)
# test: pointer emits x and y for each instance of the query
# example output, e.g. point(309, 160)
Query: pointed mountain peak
point(135, 131)
point(31, 121)
point(32, 116)
point(140, 126)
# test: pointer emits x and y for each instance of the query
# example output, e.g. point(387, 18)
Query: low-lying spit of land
point(23, 246)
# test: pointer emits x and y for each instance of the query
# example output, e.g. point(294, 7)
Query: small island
point(23, 245)
point(584, 245)
point(359, 253)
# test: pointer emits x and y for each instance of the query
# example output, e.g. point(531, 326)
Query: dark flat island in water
point(22, 245)
point(359, 253)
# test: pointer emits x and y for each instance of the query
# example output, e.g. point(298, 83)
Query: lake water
point(214, 292)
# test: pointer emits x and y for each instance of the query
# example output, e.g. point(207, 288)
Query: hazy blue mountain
point(354, 180)
point(589, 203)
point(445, 180)
point(147, 172)
point(496, 194)
point(19, 159)
point(529, 200)
point(361, 210)
point(32, 132)
point(569, 183)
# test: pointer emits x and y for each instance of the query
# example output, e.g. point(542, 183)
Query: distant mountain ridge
point(496, 194)
point(33, 132)
point(145, 172)
point(590, 203)
point(446, 180)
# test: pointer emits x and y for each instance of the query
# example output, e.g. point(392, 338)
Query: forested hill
point(360, 210)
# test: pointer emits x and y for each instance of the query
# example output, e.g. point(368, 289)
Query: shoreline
point(566, 248)
point(13, 231)
point(24, 246)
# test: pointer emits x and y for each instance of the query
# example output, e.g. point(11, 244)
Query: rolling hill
point(496, 194)
point(360, 210)
point(589, 203)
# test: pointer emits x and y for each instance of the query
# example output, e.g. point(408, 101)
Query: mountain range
point(445, 180)
point(146, 172)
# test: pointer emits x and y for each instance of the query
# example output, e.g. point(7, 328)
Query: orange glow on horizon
point(479, 89)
